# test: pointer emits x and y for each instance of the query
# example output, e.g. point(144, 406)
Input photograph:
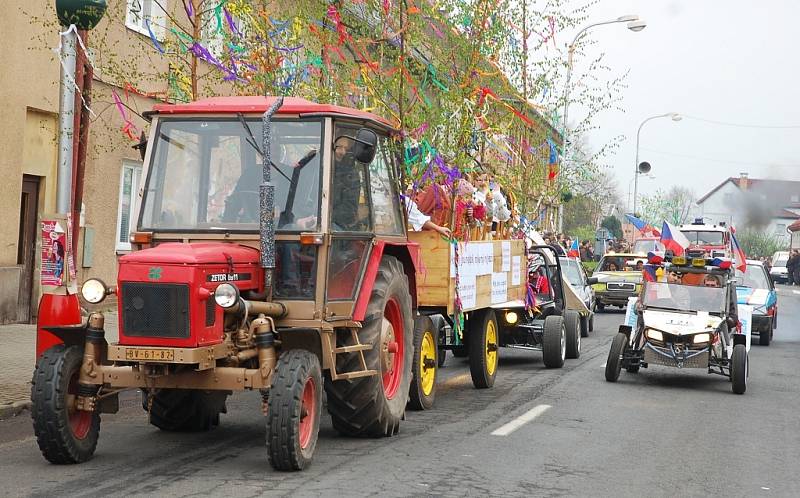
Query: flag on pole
point(552, 167)
point(739, 258)
point(574, 251)
point(642, 226)
point(673, 239)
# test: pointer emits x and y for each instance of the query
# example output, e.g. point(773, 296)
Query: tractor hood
point(179, 253)
point(678, 323)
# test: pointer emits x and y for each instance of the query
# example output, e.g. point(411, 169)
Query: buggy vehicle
point(548, 325)
point(685, 325)
point(757, 290)
point(582, 284)
point(618, 279)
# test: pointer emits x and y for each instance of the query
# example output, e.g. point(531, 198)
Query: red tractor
point(271, 254)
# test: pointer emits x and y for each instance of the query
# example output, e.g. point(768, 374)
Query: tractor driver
point(348, 179)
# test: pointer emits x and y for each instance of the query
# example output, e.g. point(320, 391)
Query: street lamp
point(634, 24)
point(672, 115)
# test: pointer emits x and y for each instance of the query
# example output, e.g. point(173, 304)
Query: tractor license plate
point(150, 354)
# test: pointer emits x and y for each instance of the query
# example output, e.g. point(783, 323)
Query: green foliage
point(589, 266)
point(613, 225)
point(673, 206)
point(583, 233)
point(756, 244)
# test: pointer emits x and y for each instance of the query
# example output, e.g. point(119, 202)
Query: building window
point(143, 13)
point(128, 186)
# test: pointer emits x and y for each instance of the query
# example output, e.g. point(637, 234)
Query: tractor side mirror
point(592, 281)
point(366, 144)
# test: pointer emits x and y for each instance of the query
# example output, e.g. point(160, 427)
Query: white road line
point(796, 291)
point(521, 420)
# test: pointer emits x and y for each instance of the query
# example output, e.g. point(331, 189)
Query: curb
point(10, 410)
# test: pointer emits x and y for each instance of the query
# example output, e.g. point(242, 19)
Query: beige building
point(122, 52)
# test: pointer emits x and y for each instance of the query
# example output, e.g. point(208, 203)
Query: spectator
point(791, 264)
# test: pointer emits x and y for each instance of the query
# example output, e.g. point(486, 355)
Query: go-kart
point(686, 318)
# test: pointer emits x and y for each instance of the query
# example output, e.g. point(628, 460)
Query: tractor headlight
point(654, 335)
point(94, 291)
point(511, 317)
point(701, 338)
point(226, 295)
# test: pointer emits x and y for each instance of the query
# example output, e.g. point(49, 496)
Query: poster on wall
point(54, 252)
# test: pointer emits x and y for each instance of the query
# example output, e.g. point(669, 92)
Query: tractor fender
point(58, 322)
point(406, 252)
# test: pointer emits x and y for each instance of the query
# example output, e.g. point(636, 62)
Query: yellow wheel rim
point(491, 347)
point(427, 363)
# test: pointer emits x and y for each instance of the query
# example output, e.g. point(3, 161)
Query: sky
point(730, 61)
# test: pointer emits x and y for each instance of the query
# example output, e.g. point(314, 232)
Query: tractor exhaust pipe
point(266, 200)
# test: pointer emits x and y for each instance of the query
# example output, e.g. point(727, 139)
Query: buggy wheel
point(584, 325)
point(739, 369)
point(600, 307)
point(591, 322)
point(483, 344)
point(554, 342)
point(184, 410)
point(572, 326)
point(373, 406)
point(293, 410)
point(614, 362)
point(765, 334)
point(64, 433)
point(424, 365)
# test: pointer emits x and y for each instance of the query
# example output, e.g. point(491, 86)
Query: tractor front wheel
point(425, 364)
point(293, 410)
point(64, 433)
point(483, 343)
point(374, 405)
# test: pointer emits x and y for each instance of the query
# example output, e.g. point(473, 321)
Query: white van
point(778, 272)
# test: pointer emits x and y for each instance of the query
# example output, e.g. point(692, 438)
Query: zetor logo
point(154, 273)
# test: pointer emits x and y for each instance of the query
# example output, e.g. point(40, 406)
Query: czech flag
point(649, 273)
point(574, 252)
point(739, 257)
point(642, 226)
point(673, 239)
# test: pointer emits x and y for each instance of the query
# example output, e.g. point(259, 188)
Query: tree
point(674, 206)
point(757, 243)
point(613, 225)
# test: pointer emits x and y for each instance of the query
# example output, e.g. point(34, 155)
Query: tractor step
point(355, 375)
point(352, 349)
point(355, 348)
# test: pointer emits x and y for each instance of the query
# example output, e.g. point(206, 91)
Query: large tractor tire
point(64, 433)
point(572, 322)
point(185, 410)
point(554, 342)
point(425, 364)
point(739, 369)
point(483, 341)
point(614, 361)
point(293, 410)
point(373, 406)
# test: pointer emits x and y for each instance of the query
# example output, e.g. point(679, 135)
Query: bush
point(589, 266)
point(756, 244)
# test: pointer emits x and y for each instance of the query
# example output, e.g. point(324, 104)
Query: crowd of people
point(793, 268)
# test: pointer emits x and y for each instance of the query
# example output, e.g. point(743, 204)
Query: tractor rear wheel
point(554, 342)
point(184, 410)
point(483, 344)
point(64, 433)
point(373, 406)
point(293, 410)
point(572, 325)
point(425, 364)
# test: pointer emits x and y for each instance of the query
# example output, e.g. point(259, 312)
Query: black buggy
point(686, 317)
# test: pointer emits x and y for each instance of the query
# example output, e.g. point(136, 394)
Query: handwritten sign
point(506, 249)
point(467, 291)
point(499, 288)
point(474, 258)
point(516, 270)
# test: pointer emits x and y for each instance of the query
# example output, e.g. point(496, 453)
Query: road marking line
point(796, 291)
point(521, 420)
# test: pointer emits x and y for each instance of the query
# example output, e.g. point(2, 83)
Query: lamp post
point(634, 24)
point(672, 115)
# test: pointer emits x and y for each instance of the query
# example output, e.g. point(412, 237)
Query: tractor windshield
point(205, 175)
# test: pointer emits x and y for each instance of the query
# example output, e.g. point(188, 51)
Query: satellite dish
point(644, 167)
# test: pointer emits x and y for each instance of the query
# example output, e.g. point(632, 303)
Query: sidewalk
point(17, 359)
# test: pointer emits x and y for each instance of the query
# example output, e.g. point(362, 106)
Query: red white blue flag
point(574, 251)
point(739, 258)
point(673, 239)
point(643, 227)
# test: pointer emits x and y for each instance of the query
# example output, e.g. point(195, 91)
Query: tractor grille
point(155, 310)
point(620, 286)
point(211, 308)
point(656, 355)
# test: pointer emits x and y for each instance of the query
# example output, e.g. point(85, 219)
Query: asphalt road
point(661, 432)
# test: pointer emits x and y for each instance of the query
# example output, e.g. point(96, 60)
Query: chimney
point(744, 181)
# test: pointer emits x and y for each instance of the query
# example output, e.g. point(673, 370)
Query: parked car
point(778, 272)
point(573, 272)
point(619, 276)
point(756, 289)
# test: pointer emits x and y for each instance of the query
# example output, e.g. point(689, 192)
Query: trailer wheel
point(185, 410)
point(483, 344)
point(614, 361)
point(64, 433)
point(425, 364)
point(572, 325)
point(460, 351)
point(294, 410)
point(554, 342)
point(373, 406)
point(739, 369)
